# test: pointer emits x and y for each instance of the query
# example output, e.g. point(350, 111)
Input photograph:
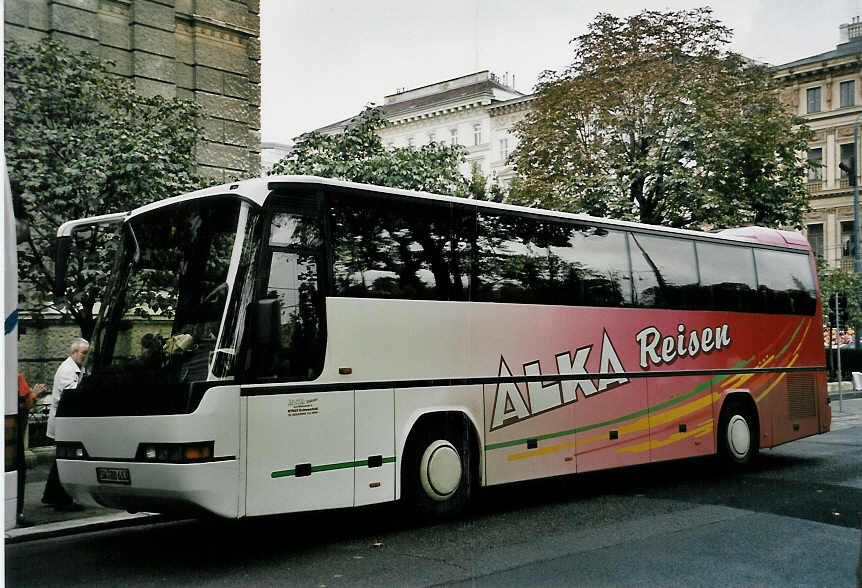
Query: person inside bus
point(67, 377)
point(151, 351)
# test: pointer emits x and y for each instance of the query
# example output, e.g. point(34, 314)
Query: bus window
point(532, 261)
point(383, 249)
point(727, 277)
point(664, 272)
point(294, 281)
point(595, 265)
point(785, 282)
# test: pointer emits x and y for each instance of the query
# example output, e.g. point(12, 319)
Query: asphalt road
point(793, 521)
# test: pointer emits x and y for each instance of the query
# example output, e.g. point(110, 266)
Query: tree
point(655, 121)
point(848, 286)
point(80, 142)
point(358, 155)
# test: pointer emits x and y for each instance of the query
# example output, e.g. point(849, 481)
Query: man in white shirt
point(68, 375)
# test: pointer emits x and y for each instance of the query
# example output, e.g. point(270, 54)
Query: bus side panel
point(540, 446)
point(685, 429)
point(300, 452)
point(613, 427)
point(793, 406)
point(374, 475)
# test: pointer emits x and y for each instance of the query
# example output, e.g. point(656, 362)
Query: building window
point(847, 239)
point(454, 136)
point(504, 149)
point(477, 134)
point(814, 99)
point(846, 165)
point(815, 238)
point(848, 93)
point(815, 160)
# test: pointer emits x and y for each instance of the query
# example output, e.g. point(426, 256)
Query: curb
point(850, 395)
point(84, 525)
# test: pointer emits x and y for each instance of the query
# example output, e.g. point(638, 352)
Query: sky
point(323, 61)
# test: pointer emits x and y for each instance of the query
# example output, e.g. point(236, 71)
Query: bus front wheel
point(739, 439)
point(440, 472)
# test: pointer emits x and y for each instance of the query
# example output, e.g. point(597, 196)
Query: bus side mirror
point(264, 336)
point(64, 246)
point(267, 323)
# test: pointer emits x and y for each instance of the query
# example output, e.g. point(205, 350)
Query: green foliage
point(655, 121)
point(848, 286)
point(358, 155)
point(80, 142)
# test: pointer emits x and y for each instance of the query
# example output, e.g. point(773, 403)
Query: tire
point(440, 471)
point(739, 437)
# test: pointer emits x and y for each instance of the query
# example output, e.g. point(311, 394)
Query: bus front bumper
point(184, 488)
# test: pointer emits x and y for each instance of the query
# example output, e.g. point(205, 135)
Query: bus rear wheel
point(739, 439)
point(440, 472)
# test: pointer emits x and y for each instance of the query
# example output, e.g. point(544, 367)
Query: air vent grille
point(801, 396)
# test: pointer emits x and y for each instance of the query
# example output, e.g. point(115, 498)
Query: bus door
point(299, 451)
point(300, 438)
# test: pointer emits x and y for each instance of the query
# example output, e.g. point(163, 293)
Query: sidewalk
point(46, 522)
point(43, 521)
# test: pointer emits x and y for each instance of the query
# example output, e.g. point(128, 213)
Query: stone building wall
point(203, 50)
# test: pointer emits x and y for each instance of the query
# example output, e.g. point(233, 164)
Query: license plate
point(113, 476)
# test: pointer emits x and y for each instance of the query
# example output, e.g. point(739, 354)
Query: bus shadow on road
point(228, 543)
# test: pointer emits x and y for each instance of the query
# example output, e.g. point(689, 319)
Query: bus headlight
point(71, 450)
point(176, 452)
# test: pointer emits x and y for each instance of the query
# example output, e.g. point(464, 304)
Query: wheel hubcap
point(738, 436)
point(440, 470)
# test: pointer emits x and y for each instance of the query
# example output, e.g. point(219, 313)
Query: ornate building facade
point(203, 50)
point(825, 90)
point(477, 111)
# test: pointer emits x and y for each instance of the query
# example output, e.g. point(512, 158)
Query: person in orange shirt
point(26, 399)
point(26, 395)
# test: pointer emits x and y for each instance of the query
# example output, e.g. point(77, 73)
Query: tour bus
point(322, 344)
point(10, 357)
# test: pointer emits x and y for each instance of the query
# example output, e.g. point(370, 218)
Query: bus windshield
point(183, 271)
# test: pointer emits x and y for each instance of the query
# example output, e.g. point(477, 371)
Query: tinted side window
point(532, 261)
point(388, 249)
point(512, 261)
point(785, 282)
point(727, 277)
point(594, 266)
point(664, 272)
point(294, 280)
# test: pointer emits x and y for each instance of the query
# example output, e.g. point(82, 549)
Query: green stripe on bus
point(330, 467)
point(792, 337)
point(697, 390)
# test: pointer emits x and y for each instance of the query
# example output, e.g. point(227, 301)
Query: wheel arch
point(744, 398)
point(441, 418)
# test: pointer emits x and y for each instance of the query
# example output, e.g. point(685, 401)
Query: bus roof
point(258, 190)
